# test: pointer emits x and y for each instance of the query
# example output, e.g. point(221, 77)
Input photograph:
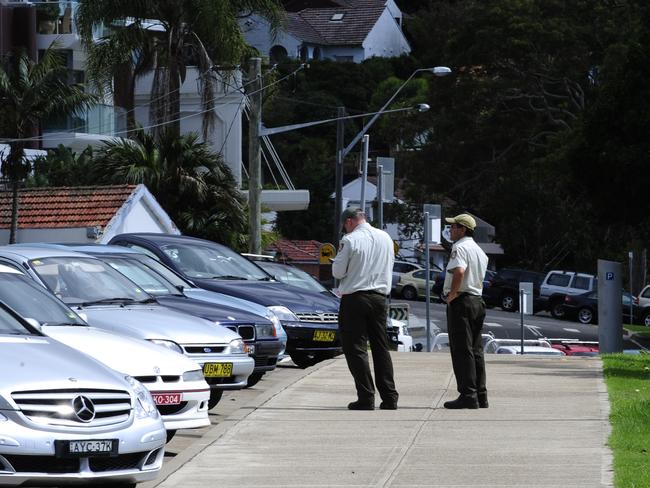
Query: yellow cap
point(466, 220)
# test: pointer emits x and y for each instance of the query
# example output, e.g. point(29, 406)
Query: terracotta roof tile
point(299, 251)
point(64, 207)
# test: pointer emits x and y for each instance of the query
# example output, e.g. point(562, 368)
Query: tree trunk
point(14, 212)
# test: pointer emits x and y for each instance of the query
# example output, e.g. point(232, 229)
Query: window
point(582, 282)
point(557, 279)
point(646, 293)
point(419, 274)
point(143, 250)
point(337, 17)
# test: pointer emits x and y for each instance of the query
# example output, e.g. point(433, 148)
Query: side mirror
point(34, 323)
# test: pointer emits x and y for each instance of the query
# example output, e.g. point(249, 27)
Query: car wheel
point(170, 435)
point(215, 396)
point(585, 315)
point(304, 360)
point(508, 302)
point(254, 379)
point(557, 310)
point(409, 293)
point(646, 319)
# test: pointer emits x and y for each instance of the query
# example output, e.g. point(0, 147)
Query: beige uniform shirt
point(466, 254)
point(364, 261)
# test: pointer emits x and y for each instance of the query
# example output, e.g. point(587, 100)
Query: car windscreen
point(9, 325)
point(86, 281)
point(142, 276)
point(162, 270)
point(218, 262)
point(293, 276)
point(33, 301)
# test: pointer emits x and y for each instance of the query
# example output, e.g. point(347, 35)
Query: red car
point(577, 348)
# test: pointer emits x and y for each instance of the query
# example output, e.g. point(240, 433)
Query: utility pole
point(338, 206)
point(364, 171)
point(255, 157)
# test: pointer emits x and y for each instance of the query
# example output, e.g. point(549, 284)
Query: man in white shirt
point(465, 313)
point(364, 266)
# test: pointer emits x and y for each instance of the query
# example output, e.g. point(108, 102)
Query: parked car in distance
point(503, 288)
point(293, 276)
point(441, 341)
point(439, 283)
point(584, 307)
point(572, 347)
point(493, 346)
point(412, 285)
point(399, 336)
point(405, 266)
point(643, 302)
point(558, 284)
point(175, 382)
point(113, 302)
point(536, 350)
point(310, 319)
point(67, 419)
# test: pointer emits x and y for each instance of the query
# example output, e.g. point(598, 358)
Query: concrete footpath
point(547, 426)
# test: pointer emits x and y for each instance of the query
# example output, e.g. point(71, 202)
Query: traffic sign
point(327, 253)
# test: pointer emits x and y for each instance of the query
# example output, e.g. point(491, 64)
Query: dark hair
point(352, 213)
point(469, 232)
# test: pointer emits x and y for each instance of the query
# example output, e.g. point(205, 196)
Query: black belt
point(370, 292)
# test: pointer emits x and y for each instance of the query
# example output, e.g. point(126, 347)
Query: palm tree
point(32, 91)
point(166, 36)
point(191, 182)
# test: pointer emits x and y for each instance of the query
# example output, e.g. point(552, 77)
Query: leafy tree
point(191, 183)
point(166, 36)
point(32, 91)
point(63, 167)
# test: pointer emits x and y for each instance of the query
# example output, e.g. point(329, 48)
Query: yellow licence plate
point(324, 335)
point(217, 370)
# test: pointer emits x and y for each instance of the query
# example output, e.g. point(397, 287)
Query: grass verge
point(628, 384)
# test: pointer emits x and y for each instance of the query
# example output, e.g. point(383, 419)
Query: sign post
point(525, 306)
point(432, 218)
point(610, 307)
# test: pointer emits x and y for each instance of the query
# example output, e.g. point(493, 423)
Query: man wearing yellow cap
point(465, 313)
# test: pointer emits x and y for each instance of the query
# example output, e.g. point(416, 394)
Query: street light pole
point(340, 155)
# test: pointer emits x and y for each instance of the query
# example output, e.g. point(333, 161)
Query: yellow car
point(412, 285)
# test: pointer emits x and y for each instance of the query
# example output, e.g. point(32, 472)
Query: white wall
point(386, 39)
point(257, 34)
point(46, 235)
point(228, 112)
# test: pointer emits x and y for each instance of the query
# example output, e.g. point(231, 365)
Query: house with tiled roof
point(83, 214)
point(340, 30)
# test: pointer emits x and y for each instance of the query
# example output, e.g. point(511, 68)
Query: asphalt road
point(504, 325)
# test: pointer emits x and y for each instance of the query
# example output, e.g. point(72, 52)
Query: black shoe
point(388, 406)
point(462, 402)
point(358, 405)
point(483, 402)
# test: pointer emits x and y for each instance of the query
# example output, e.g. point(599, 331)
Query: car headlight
point(238, 346)
point(284, 314)
point(196, 375)
point(266, 330)
point(171, 345)
point(145, 406)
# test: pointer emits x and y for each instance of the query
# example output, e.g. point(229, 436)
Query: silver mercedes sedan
point(68, 419)
point(108, 300)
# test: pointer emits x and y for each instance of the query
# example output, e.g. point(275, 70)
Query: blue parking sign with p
point(609, 276)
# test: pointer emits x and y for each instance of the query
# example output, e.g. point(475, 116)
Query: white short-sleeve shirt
point(466, 254)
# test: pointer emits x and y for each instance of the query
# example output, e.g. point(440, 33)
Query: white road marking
point(492, 324)
point(534, 329)
point(571, 330)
